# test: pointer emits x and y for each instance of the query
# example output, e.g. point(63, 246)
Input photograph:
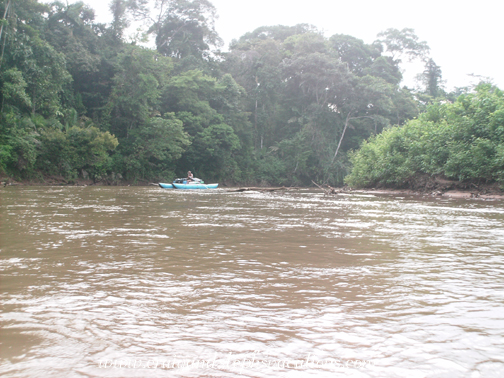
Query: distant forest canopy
point(284, 106)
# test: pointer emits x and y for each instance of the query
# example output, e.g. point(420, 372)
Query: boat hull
point(166, 186)
point(195, 186)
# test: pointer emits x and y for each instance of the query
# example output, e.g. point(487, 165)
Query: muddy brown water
point(146, 282)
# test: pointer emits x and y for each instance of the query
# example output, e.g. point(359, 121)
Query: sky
point(465, 37)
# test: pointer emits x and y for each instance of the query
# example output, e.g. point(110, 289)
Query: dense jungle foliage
point(283, 106)
point(462, 141)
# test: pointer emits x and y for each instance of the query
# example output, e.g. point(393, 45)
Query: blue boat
point(195, 185)
point(183, 184)
point(166, 186)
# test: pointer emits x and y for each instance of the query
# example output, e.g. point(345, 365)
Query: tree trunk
point(5, 15)
point(1, 32)
point(348, 118)
point(342, 136)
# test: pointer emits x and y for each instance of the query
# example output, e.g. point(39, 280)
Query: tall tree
point(431, 78)
point(354, 52)
point(402, 43)
point(140, 77)
point(185, 28)
point(256, 66)
point(120, 20)
point(205, 107)
point(277, 33)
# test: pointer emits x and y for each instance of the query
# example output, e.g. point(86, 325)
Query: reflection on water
point(135, 282)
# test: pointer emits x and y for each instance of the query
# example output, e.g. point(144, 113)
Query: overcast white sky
point(465, 37)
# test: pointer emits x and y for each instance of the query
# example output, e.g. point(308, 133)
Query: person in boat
point(189, 176)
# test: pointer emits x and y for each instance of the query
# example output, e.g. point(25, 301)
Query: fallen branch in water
point(259, 189)
point(328, 190)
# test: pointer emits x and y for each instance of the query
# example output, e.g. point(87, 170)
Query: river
point(146, 282)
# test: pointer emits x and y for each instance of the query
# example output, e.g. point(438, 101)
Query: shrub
point(463, 141)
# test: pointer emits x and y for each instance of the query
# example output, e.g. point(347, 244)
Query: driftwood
point(328, 190)
point(259, 189)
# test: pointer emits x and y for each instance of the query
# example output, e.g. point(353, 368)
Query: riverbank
point(447, 194)
point(437, 186)
point(432, 187)
point(61, 181)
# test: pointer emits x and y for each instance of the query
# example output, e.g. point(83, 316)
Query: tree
point(402, 43)
point(256, 68)
point(354, 52)
point(386, 68)
point(14, 90)
point(304, 44)
point(229, 102)
point(89, 149)
point(140, 78)
point(43, 69)
point(213, 152)
point(120, 20)
point(157, 146)
point(196, 100)
point(276, 33)
point(431, 78)
point(185, 28)
point(69, 30)
point(188, 96)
